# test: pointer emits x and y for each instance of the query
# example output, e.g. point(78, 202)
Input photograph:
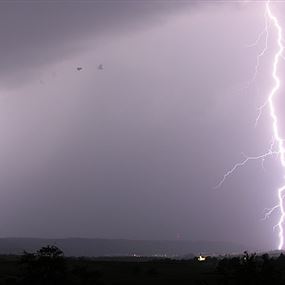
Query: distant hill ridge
point(118, 247)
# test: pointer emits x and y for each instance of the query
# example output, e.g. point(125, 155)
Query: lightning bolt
point(275, 127)
point(247, 159)
point(271, 19)
point(263, 51)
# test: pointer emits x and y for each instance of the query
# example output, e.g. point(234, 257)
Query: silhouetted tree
point(46, 266)
point(249, 269)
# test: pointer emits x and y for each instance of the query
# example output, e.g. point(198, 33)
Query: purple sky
point(134, 150)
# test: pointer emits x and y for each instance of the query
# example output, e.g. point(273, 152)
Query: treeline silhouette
point(49, 266)
point(253, 269)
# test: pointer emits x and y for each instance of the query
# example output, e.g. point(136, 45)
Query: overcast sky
point(135, 150)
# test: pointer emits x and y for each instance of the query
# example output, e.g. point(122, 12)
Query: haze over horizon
point(132, 144)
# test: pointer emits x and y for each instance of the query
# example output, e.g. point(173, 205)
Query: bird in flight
point(79, 68)
point(100, 66)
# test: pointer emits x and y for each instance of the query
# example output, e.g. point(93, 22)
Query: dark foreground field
point(83, 271)
point(49, 266)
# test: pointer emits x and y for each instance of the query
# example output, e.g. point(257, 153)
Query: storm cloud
point(37, 33)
